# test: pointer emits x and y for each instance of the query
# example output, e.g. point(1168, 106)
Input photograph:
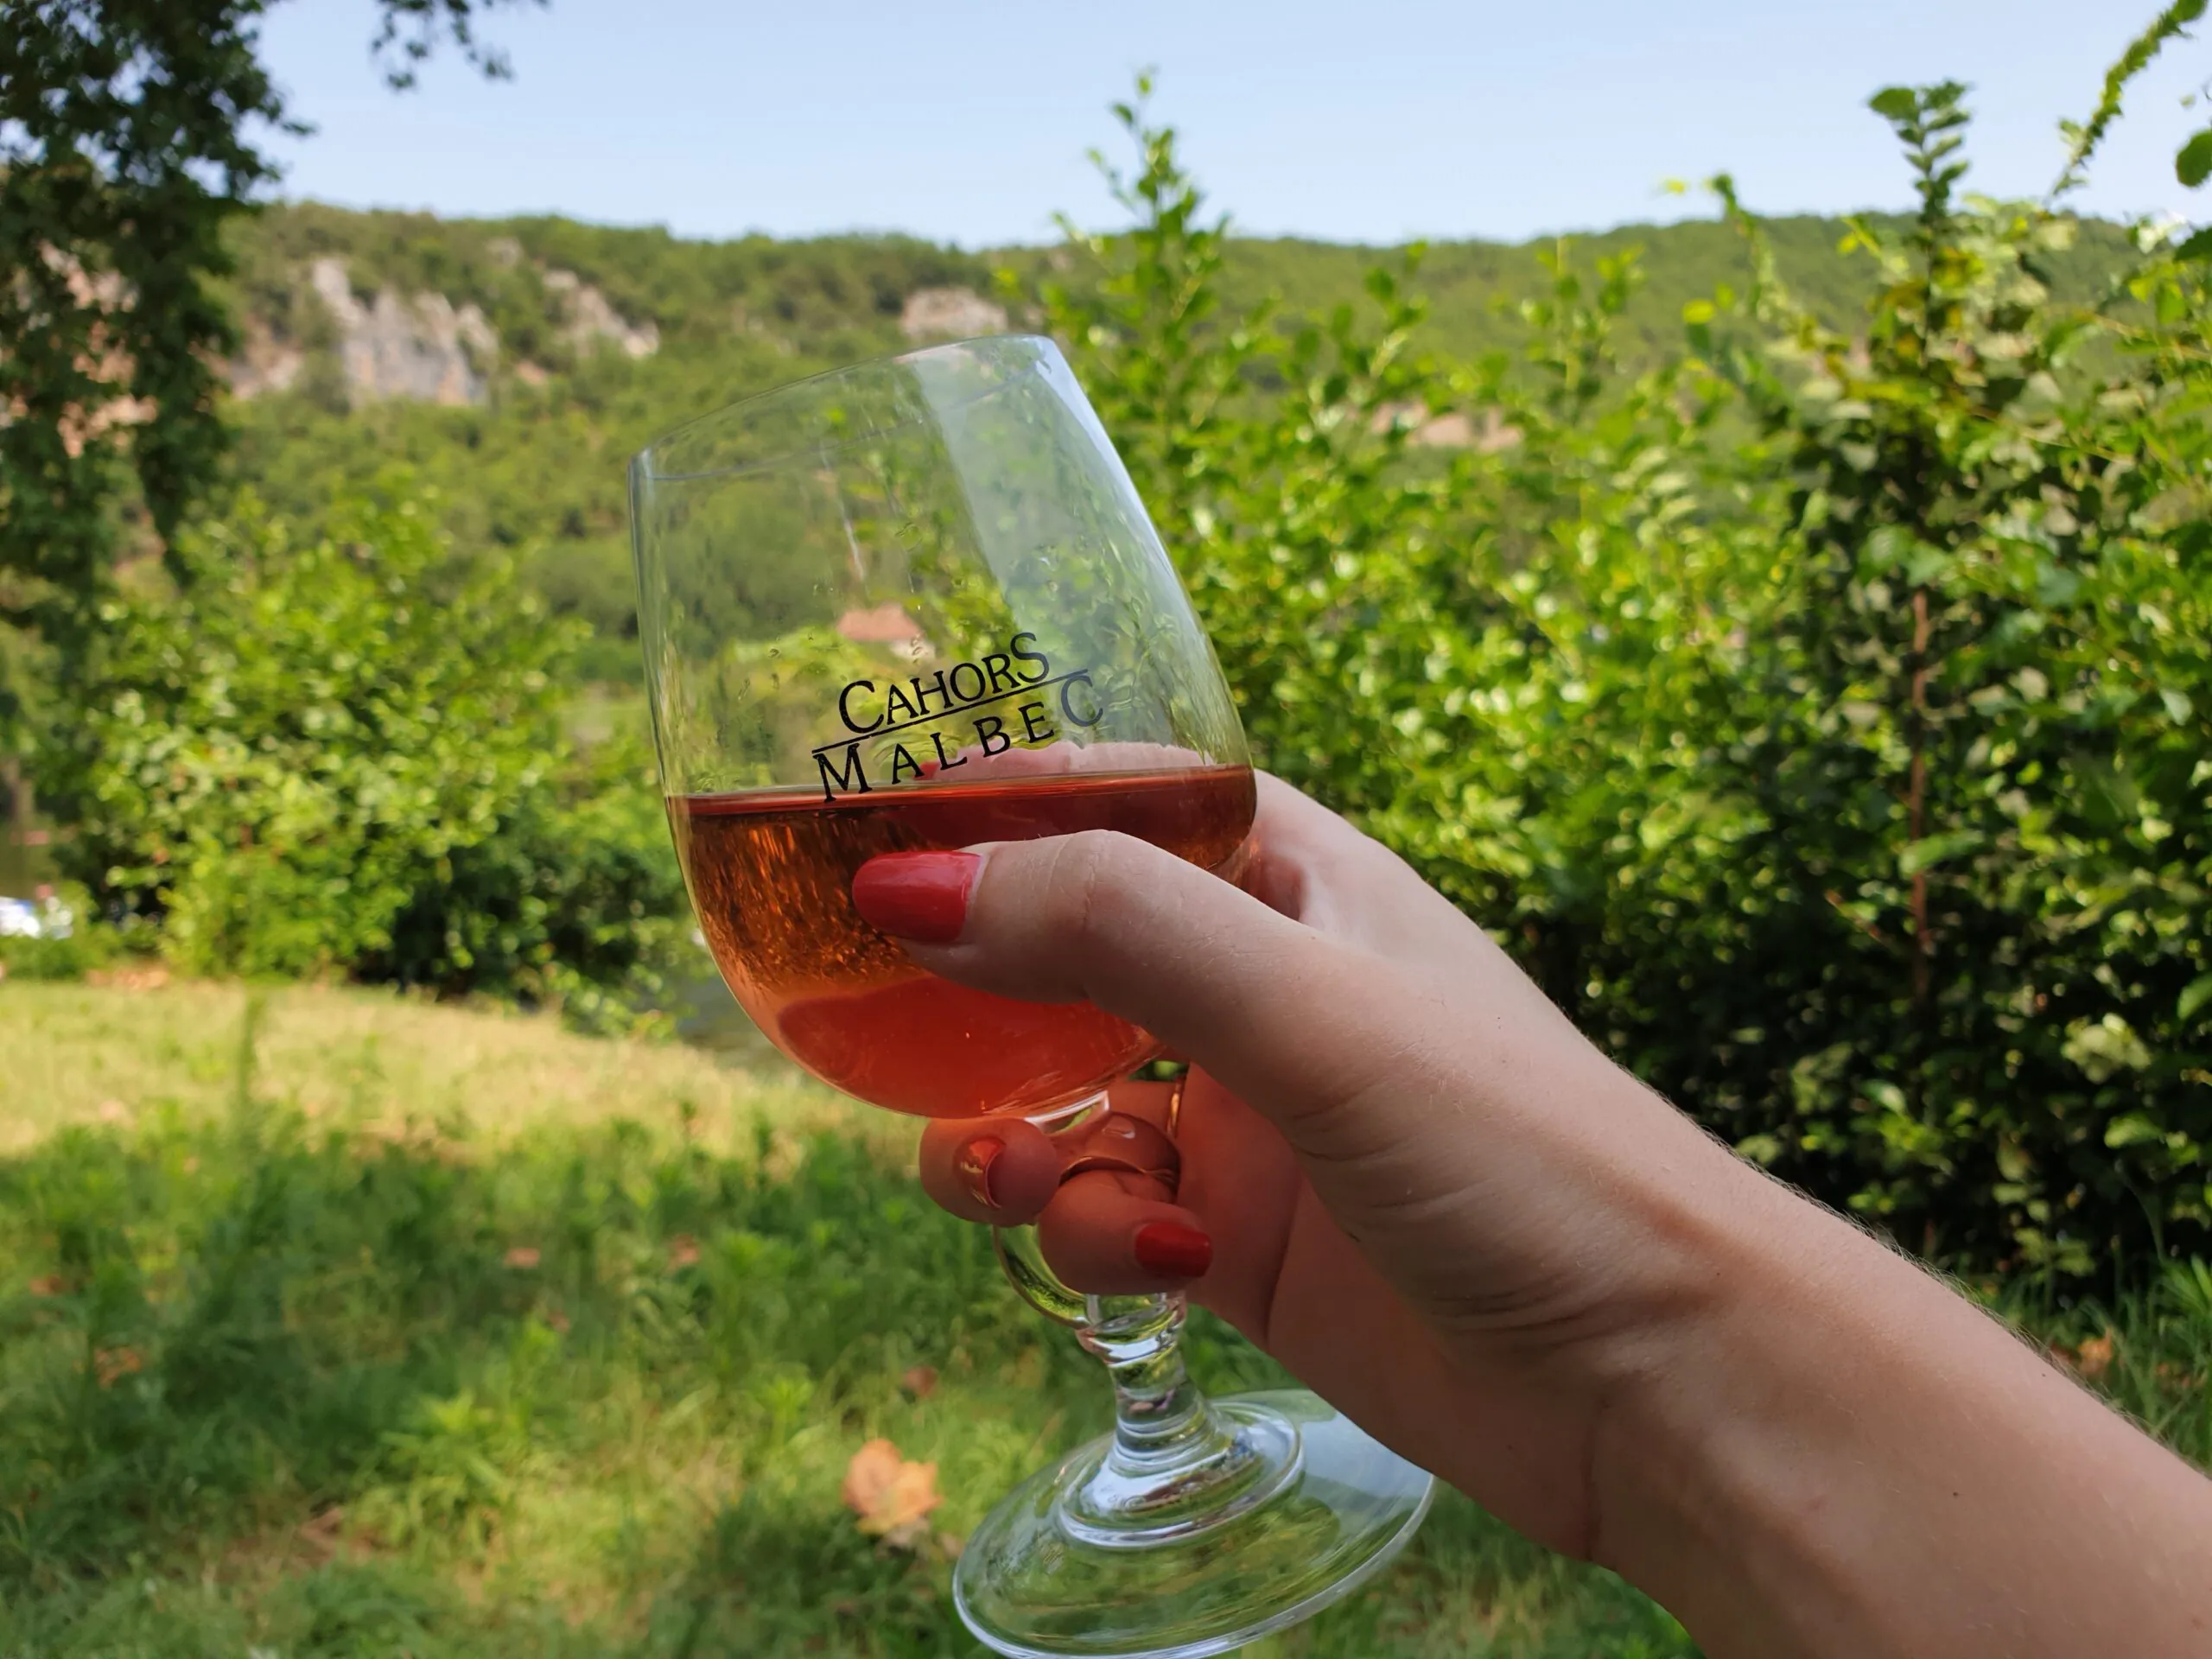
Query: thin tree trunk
point(17, 789)
point(1917, 796)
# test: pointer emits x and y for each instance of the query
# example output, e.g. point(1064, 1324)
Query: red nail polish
point(974, 1167)
point(1171, 1250)
point(920, 896)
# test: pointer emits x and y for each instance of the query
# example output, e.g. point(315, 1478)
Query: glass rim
point(641, 461)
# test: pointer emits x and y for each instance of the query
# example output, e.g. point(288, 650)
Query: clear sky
point(1367, 120)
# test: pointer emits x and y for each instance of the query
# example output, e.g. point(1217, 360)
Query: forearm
point(1835, 1454)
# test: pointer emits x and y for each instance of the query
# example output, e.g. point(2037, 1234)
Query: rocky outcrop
point(265, 364)
point(590, 320)
point(421, 348)
point(949, 314)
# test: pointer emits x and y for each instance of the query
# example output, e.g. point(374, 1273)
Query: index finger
point(1280, 1013)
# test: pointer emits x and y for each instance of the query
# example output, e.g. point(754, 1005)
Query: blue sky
point(1367, 120)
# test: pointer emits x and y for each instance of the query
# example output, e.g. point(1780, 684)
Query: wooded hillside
point(514, 365)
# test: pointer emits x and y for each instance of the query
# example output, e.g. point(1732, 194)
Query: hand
point(1425, 1193)
point(1457, 1221)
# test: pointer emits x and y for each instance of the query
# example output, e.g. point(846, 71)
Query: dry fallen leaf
point(2094, 1357)
point(112, 1364)
point(871, 1473)
point(48, 1284)
point(320, 1533)
point(921, 1382)
point(892, 1496)
point(682, 1252)
point(522, 1255)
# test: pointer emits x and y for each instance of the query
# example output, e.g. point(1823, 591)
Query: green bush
point(88, 944)
point(1821, 716)
point(344, 755)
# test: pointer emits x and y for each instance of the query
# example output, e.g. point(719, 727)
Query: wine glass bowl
point(771, 873)
point(917, 604)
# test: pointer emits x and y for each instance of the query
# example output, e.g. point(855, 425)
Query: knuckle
point(1087, 891)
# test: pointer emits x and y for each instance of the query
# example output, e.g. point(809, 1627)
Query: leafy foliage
point(2083, 137)
point(1818, 714)
point(1985, 752)
point(537, 466)
point(345, 754)
point(1814, 700)
point(68, 944)
point(2192, 162)
point(127, 143)
point(403, 54)
point(121, 152)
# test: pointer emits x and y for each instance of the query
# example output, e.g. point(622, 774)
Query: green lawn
point(349, 1326)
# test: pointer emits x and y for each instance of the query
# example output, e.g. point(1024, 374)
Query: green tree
point(2192, 162)
point(341, 754)
point(1817, 713)
point(1970, 741)
point(128, 138)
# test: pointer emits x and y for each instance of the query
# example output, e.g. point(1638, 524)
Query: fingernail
point(974, 1167)
point(917, 895)
point(1171, 1250)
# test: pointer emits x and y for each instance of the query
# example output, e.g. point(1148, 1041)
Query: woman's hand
point(1452, 1217)
point(1423, 1192)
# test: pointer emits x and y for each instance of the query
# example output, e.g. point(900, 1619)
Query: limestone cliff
point(421, 346)
point(949, 314)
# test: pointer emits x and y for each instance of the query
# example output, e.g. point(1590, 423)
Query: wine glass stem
point(1174, 1465)
point(1156, 1406)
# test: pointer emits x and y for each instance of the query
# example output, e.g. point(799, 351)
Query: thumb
point(1280, 1013)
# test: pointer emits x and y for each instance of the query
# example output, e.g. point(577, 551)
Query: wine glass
point(917, 604)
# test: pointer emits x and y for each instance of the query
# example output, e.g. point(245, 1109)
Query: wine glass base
point(1032, 1587)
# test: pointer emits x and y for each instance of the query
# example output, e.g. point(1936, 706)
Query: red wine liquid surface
point(771, 874)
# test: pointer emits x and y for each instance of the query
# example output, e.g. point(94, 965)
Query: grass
point(94, 1055)
point(333, 1324)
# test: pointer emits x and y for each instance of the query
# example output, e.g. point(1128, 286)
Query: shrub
point(1972, 739)
point(1820, 716)
point(344, 755)
point(64, 942)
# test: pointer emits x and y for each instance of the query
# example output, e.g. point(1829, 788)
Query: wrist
point(1825, 1449)
point(1722, 1416)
